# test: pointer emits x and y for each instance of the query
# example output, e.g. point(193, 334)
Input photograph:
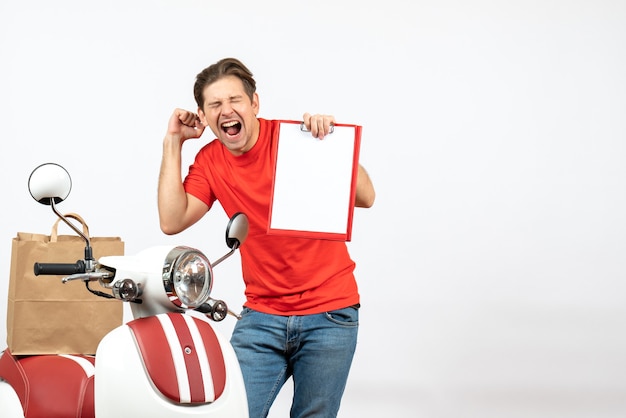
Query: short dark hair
point(223, 68)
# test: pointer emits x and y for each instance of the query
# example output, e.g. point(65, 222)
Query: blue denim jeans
point(316, 350)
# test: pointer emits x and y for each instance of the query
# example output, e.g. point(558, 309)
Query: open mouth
point(231, 128)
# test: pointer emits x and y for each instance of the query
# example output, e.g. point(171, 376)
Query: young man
point(300, 318)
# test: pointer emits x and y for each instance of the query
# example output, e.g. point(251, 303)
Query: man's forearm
point(172, 199)
point(365, 194)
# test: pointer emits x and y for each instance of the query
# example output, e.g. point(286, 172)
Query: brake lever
point(87, 277)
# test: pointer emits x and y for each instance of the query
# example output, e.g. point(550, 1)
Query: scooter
point(168, 361)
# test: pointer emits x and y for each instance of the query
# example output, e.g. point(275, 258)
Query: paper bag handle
point(54, 232)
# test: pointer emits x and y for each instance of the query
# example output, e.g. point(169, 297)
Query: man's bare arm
point(365, 194)
point(177, 209)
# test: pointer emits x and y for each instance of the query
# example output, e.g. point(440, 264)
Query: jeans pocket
point(346, 316)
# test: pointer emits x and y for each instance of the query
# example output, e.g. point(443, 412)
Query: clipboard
point(314, 183)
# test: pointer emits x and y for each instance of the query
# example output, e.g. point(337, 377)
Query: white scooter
point(167, 362)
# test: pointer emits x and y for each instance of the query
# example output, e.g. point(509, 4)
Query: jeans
point(316, 350)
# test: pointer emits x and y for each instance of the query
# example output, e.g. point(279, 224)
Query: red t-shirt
point(283, 275)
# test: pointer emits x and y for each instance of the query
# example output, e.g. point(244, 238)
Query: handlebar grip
point(59, 269)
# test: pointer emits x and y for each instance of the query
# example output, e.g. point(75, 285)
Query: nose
point(227, 109)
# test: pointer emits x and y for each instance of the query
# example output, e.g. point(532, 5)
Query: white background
point(492, 265)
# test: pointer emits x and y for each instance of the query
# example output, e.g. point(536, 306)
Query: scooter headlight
point(187, 277)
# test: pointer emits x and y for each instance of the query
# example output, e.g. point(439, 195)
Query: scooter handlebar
point(59, 269)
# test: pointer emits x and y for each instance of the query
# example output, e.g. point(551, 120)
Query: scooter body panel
point(123, 386)
point(11, 405)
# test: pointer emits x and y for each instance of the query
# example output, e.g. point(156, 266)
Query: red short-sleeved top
point(283, 275)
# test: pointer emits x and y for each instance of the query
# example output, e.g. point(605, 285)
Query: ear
point(202, 117)
point(255, 103)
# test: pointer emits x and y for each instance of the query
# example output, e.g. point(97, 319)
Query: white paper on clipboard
point(314, 182)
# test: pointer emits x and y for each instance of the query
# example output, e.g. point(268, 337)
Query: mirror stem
point(224, 257)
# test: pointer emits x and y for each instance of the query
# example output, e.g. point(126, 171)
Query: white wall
point(491, 267)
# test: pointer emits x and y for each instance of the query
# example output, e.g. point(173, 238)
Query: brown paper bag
point(45, 316)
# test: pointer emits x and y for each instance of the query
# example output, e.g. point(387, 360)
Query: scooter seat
point(51, 386)
point(182, 356)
